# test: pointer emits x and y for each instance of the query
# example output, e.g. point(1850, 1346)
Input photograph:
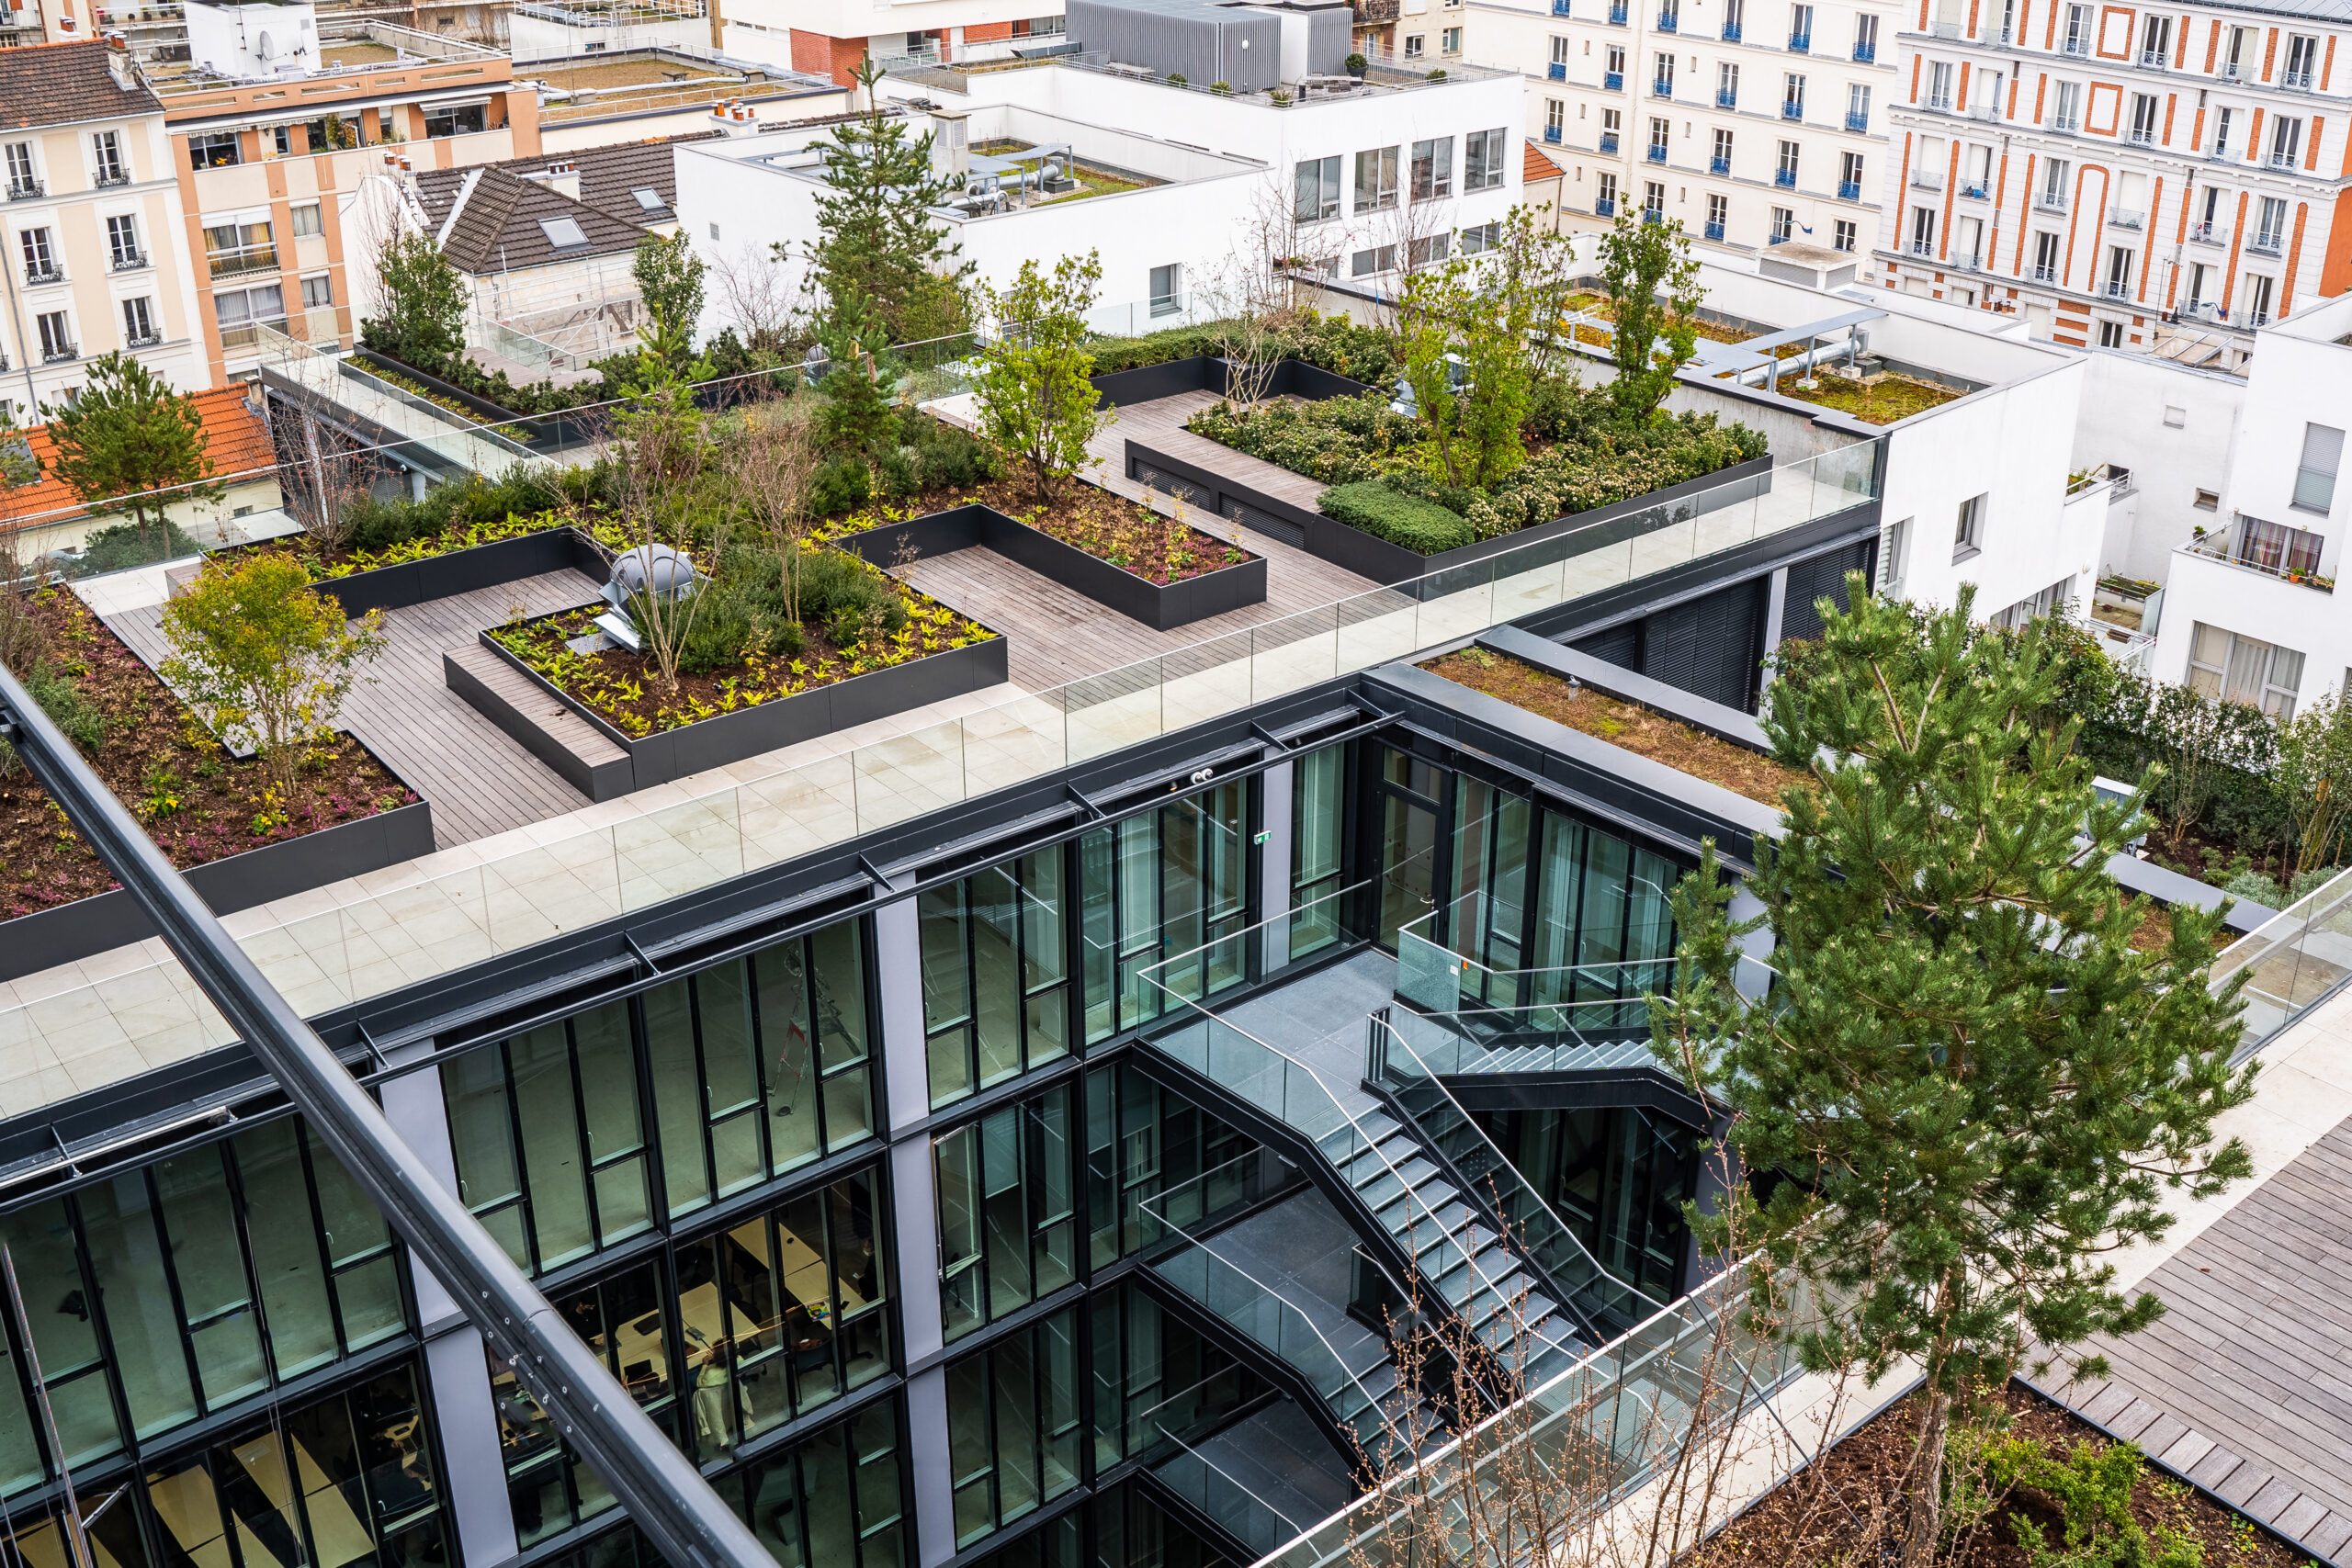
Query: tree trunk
point(1927, 1485)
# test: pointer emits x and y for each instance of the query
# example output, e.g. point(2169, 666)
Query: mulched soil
point(156, 753)
point(1107, 527)
point(1636, 728)
point(1823, 1516)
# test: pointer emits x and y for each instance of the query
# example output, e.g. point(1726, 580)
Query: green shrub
point(61, 697)
point(379, 524)
point(842, 484)
point(120, 545)
point(1386, 512)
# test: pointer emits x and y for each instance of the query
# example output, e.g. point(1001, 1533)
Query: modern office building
point(2155, 181)
point(1755, 124)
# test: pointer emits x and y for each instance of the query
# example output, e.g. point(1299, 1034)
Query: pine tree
point(877, 240)
point(421, 300)
point(1969, 1088)
point(127, 435)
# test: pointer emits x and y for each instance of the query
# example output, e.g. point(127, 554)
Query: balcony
point(1654, 215)
point(1726, 97)
point(1850, 190)
point(2229, 71)
point(43, 274)
point(1793, 110)
point(2143, 138)
point(2117, 289)
point(2295, 81)
point(1731, 32)
point(1777, 238)
point(1714, 231)
point(1613, 80)
point(2044, 274)
point(2266, 244)
point(1865, 54)
point(2121, 218)
point(1926, 179)
point(107, 177)
point(1556, 72)
point(2257, 318)
point(2208, 233)
point(1552, 134)
point(147, 339)
point(1616, 16)
point(1604, 206)
point(1655, 153)
point(131, 261)
point(1784, 179)
point(2281, 160)
point(1559, 8)
point(1922, 247)
point(2153, 59)
point(27, 191)
point(1661, 89)
point(1609, 141)
point(2204, 311)
point(2217, 548)
point(64, 353)
point(1975, 190)
point(1668, 22)
point(1800, 43)
point(1858, 121)
point(2053, 201)
point(238, 263)
point(1719, 165)
point(2078, 46)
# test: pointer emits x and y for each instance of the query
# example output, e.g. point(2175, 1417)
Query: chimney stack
point(564, 177)
point(119, 64)
point(734, 118)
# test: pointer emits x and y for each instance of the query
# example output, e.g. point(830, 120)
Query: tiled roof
point(498, 226)
point(1539, 166)
point(67, 83)
point(235, 440)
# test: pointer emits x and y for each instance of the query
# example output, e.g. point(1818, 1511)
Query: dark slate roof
point(65, 84)
point(504, 209)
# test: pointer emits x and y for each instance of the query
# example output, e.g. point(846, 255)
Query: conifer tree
point(127, 435)
point(1967, 1086)
point(876, 239)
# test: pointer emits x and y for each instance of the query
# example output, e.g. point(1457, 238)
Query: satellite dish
point(266, 46)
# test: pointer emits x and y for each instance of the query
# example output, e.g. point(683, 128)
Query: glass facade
point(1125, 1530)
point(573, 1136)
point(1317, 809)
point(721, 1338)
point(995, 967)
point(1165, 884)
point(1014, 1430)
point(166, 1294)
point(1618, 1178)
point(1008, 1210)
point(1155, 1377)
point(1146, 1144)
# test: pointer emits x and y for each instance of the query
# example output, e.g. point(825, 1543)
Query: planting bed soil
point(1112, 528)
point(1882, 400)
point(198, 802)
point(1636, 728)
point(1821, 1516)
point(325, 565)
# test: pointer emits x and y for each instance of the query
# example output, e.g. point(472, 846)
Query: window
point(307, 221)
point(650, 200)
point(1166, 285)
point(1858, 108)
point(1376, 180)
point(1800, 26)
point(2119, 271)
point(1662, 75)
point(2315, 476)
point(281, 138)
point(1661, 131)
point(1014, 1426)
point(563, 234)
point(138, 325)
point(1481, 237)
point(2302, 55)
point(1939, 79)
point(1605, 198)
point(318, 291)
point(1894, 548)
point(1371, 260)
point(1718, 216)
point(2143, 119)
point(1923, 231)
point(1785, 171)
point(2285, 142)
point(56, 337)
point(1450, 40)
point(1555, 119)
point(233, 249)
point(1792, 97)
point(122, 242)
point(1317, 189)
point(1784, 225)
point(40, 260)
point(1559, 66)
point(1008, 1225)
point(2222, 133)
point(2276, 549)
point(2055, 174)
point(1653, 202)
point(2110, 334)
point(2066, 110)
point(1968, 533)
point(1485, 160)
point(2045, 258)
point(1842, 234)
point(2033, 606)
point(1616, 67)
point(22, 181)
point(1163, 887)
point(2078, 29)
point(1721, 162)
point(2233, 58)
point(1727, 85)
point(462, 119)
point(2270, 225)
point(1433, 169)
point(2254, 293)
point(214, 149)
point(2238, 669)
point(107, 165)
point(1849, 173)
point(1866, 37)
point(994, 968)
point(1428, 250)
point(1414, 46)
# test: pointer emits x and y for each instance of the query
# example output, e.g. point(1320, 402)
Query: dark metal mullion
point(649, 1118)
point(172, 1286)
point(758, 1019)
point(522, 1160)
point(50, 1463)
point(323, 1240)
point(108, 1367)
point(241, 1221)
point(580, 1138)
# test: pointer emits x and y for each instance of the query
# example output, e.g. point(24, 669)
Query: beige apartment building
point(95, 227)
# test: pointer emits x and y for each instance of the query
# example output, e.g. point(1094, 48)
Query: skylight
point(649, 198)
point(563, 232)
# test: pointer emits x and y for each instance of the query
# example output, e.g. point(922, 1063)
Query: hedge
point(1386, 512)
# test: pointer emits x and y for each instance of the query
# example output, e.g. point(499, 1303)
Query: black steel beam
point(664, 1494)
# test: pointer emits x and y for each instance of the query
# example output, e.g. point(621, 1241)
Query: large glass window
point(1155, 1378)
point(1146, 1144)
point(1603, 932)
point(1008, 1221)
point(995, 966)
point(1618, 1178)
point(1317, 809)
point(1167, 883)
point(1012, 1425)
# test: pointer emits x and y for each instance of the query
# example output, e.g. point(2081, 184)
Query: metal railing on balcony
point(2053, 201)
point(1613, 81)
point(1654, 215)
point(1731, 32)
point(1668, 22)
point(2117, 289)
point(2281, 160)
point(2295, 81)
point(1974, 191)
point(1617, 15)
point(2228, 71)
point(1604, 206)
point(1926, 179)
point(43, 274)
point(2153, 59)
point(27, 191)
point(1726, 97)
point(237, 263)
point(2075, 46)
point(1713, 230)
point(1609, 141)
point(131, 261)
point(61, 354)
point(1857, 122)
point(2123, 219)
point(147, 339)
point(2140, 138)
point(2208, 233)
point(1939, 102)
point(1719, 165)
point(1794, 111)
point(1655, 153)
point(2044, 274)
point(1661, 89)
point(1800, 43)
point(2218, 547)
point(2267, 244)
point(1922, 247)
point(1552, 134)
point(1865, 54)
point(1559, 8)
point(1786, 180)
point(1850, 190)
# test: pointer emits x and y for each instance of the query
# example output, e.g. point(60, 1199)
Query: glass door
point(1412, 796)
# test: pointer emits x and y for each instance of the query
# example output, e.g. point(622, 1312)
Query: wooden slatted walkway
point(480, 781)
point(2245, 1385)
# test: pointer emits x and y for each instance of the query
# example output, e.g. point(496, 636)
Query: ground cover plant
point(198, 802)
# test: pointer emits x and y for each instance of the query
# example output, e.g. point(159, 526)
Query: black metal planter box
point(461, 572)
point(1208, 373)
point(731, 736)
point(1329, 539)
point(30, 943)
point(1163, 607)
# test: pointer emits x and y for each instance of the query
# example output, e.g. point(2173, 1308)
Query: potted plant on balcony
point(1356, 66)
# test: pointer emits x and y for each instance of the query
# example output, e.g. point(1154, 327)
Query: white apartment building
point(1370, 179)
point(2250, 610)
point(1756, 122)
point(2163, 179)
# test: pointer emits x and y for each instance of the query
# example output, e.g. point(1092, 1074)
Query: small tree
point(424, 304)
point(270, 657)
point(857, 415)
point(664, 453)
point(124, 437)
point(1037, 405)
point(1640, 260)
point(2314, 777)
point(670, 280)
point(876, 239)
point(770, 464)
point(1465, 361)
point(324, 482)
point(1531, 271)
point(1973, 1088)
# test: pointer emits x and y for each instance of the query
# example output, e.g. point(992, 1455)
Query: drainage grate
point(1266, 523)
point(1185, 490)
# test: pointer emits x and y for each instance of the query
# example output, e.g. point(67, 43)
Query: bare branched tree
point(322, 474)
point(768, 465)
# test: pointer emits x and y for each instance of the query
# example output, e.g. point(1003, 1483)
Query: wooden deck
point(478, 780)
point(2245, 1383)
point(1058, 636)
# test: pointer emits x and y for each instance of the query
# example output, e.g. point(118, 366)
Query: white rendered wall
point(2173, 429)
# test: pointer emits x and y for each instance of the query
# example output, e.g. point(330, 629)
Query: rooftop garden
point(1492, 433)
point(1881, 398)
